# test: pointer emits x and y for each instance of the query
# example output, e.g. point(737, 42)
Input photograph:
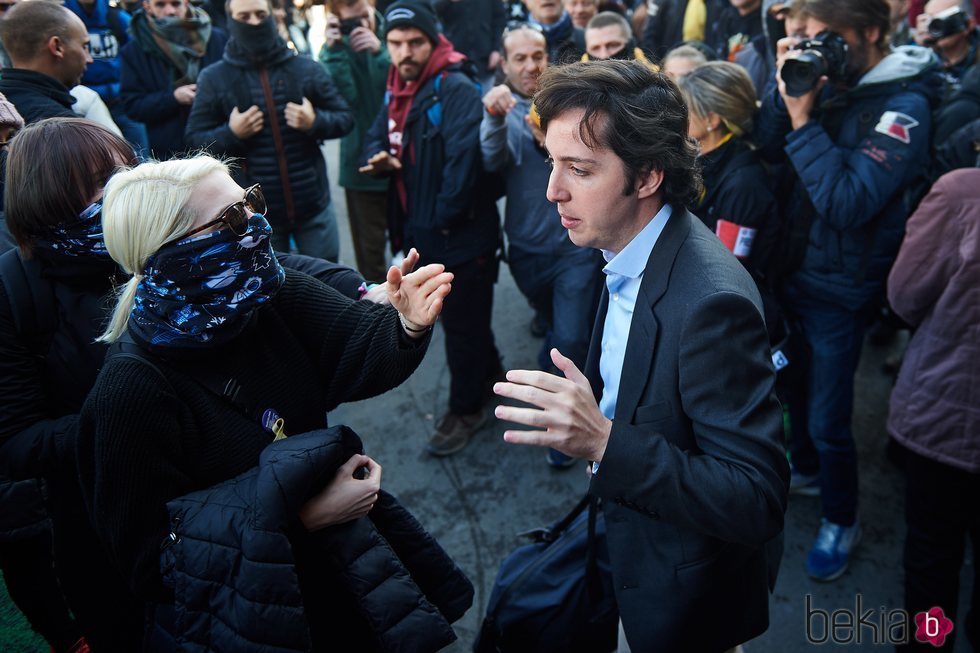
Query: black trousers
point(470, 351)
point(941, 509)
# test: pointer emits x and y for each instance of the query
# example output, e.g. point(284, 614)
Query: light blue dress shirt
point(624, 272)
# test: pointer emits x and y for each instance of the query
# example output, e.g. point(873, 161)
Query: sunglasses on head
point(235, 215)
point(515, 25)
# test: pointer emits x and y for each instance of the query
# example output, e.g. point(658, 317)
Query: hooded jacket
point(864, 146)
point(360, 77)
point(286, 161)
point(935, 406)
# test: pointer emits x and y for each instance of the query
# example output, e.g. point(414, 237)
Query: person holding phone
point(358, 64)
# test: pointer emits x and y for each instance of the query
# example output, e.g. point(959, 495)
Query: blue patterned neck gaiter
point(78, 238)
point(201, 291)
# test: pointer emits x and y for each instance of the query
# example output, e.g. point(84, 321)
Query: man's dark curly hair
point(631, 110)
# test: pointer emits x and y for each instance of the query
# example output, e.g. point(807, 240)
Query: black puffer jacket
point(287, 162)
point(231, 563)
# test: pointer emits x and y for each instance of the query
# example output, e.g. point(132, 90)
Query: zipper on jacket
point(270, 108)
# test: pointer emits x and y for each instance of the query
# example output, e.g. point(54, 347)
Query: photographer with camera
point(851, 119)
point(949, 28)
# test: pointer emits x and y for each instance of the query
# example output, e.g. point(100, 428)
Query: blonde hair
point(724, 89)
point(688, 52)
point(142, 209)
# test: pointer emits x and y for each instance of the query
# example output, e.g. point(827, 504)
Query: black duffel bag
point(556, 594)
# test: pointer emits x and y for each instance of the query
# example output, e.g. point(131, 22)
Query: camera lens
point(937, 28)
point(802, 73)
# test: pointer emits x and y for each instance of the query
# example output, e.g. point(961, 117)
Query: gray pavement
point(475, 502)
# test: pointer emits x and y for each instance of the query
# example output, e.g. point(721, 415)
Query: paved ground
point(476, 501)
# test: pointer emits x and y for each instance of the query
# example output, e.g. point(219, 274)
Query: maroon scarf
point(401, 95)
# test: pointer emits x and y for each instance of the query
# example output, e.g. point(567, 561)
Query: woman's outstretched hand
point(418, 296)
point(345, 498)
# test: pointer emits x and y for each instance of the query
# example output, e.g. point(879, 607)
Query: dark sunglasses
point(235, 215)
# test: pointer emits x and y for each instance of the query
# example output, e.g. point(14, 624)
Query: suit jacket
point(694, 479)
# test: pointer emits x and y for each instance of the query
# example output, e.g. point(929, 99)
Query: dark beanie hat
point(413, 13)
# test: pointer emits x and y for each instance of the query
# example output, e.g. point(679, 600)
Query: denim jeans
point(565, 290)
point(132, 131)
point(316, 236)
point(826, 349)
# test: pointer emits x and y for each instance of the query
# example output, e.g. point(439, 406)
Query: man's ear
point(648, 184)
point(55, 47)
point(872, 34)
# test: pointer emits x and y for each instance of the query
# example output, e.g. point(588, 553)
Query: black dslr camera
point(348, 25)
point(824, 54)
point(947, 23)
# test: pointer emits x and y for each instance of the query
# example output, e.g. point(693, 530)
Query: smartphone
point(348, 25)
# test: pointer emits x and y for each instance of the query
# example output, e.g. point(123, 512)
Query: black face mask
point(626, 54)
point(258, 43)
point(775, 30)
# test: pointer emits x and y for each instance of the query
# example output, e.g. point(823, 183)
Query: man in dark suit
point(676, 408)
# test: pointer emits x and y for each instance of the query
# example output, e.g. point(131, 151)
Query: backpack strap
point(125, 347)
point(434, 112)
point(225, 387)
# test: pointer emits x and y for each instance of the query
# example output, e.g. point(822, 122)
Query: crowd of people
point(707, 204)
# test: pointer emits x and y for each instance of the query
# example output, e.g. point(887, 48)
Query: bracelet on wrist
point(411, 328)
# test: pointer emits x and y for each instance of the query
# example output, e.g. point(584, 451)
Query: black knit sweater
point(144, 441)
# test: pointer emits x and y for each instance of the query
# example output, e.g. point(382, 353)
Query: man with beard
point(608, 36)
point(854, 143)
point(172, 43)
point(560, 280)
point(273, 108)
point(426, 137)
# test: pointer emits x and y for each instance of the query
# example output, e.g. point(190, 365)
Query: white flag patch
point(896, 125)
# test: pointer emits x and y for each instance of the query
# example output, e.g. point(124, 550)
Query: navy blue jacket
point(233, 555)
point(452, 212)
point(862, 149)
point(147, 94)
point(107, 31)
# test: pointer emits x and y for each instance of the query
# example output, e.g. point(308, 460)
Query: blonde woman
point(736, 202)
point(276, 517)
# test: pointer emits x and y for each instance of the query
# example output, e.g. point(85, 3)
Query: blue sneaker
point(832, 550)
point(807, 485)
